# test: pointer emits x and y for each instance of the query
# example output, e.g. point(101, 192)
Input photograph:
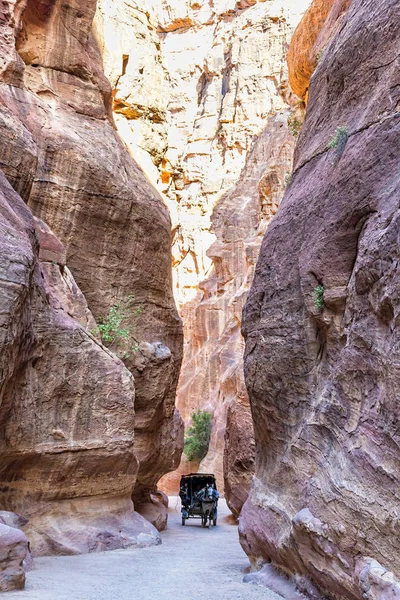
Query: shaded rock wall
point(60, 152)
point(323, 382)
point(67, 460)
point(13, 550)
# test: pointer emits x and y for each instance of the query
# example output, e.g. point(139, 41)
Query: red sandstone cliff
point(70, 412)
point(322, 376)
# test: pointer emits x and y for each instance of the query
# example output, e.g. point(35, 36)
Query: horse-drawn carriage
point(199, 498)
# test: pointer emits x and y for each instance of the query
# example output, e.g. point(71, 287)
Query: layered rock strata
point(61, 153)
point(321, 329)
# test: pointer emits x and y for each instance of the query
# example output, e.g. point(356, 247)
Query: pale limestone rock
point(220, 68)
point(239, 81)
point(127, 36)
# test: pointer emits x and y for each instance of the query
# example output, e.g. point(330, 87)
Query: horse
point(208, 507)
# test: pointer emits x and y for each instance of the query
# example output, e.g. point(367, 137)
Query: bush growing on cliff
point(197, 437)
point(294, 125)
point(339, 140)
point(114, 328)
point(318, 297)
point(320, 54)
point(288, 180)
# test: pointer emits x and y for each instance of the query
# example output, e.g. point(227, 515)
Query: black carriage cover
point(197, 481)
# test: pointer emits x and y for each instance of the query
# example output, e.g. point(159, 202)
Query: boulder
point(13, 550)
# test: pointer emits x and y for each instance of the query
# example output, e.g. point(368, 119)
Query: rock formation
point(321, 326)
point(13, 550)
point(68, 408)
point(239, 221)
point(225, 95)
point(67, 457)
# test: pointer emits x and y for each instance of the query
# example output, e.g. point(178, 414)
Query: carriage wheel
point(215, 522)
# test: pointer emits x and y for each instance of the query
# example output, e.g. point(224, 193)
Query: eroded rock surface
point(310, 40)
point(232, 83)
point(67, 460)
point(13, 550)
point(215, 72)
point(62, 154)
point(239, 453)
point(323, 380)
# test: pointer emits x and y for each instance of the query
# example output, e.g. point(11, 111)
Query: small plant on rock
point(114, 328)
point(288, 179)
point(318, 297)
point(340, 138)
point(197, 437)
point(320, 54)
point(294, 125)
point(338, 143)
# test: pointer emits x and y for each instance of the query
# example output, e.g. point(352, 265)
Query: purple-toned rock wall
point(321, 326)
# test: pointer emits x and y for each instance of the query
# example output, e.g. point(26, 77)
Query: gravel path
point(191, 564)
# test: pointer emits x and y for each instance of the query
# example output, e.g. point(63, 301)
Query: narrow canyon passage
point(200, 274)
point(192, 562)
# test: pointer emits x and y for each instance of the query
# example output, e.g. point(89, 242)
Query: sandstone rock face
point(215, 72)
point(78, 177)
point(127, 36)
point(239, 220)
point(13, 550)
point(67, 420)
point(320, 24)
point(239, 454)
point(323, 379)
point(243, 86)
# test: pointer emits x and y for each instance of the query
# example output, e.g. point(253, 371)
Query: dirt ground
point(191, 564)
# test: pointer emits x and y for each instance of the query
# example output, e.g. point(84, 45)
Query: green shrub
point(288, 179)
point(340, 138)
point(294, 125)
point(320, 54)
point(197, 437)
point(114, 328)
point(318, 297)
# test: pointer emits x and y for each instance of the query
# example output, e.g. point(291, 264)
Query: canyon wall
point(67, 413)
point(223, 67)
point(79, 435)
point(322, 344)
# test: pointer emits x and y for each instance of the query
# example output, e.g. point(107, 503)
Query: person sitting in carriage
point(215, 493)
point(184, 495)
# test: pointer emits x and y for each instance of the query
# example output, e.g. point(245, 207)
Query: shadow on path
point(192, 563)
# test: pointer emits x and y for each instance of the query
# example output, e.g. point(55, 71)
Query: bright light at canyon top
point(187, 115)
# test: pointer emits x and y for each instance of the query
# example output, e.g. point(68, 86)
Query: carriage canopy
point(197, 481)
